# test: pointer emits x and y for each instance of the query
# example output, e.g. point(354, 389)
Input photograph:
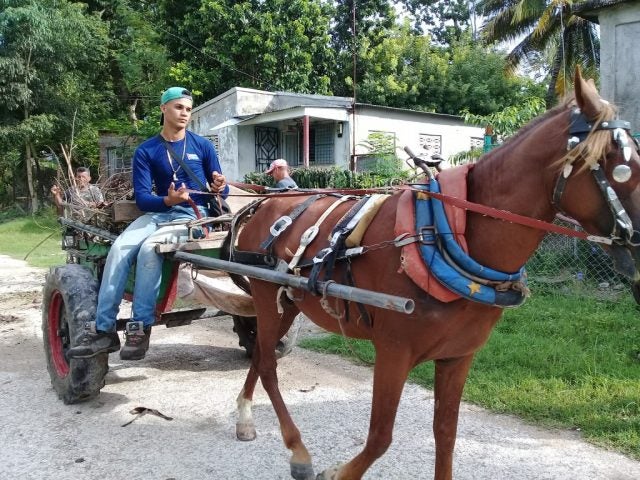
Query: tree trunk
point(551, 97)
point(33, 195)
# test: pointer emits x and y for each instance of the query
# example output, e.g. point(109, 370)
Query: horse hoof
point(245, 432)
point(329, 473)
point(302, 471)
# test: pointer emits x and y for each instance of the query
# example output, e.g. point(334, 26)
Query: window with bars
point(381, 146)
point(215, 139)
point(321, 141)
point(431, 143)
point(119, 159)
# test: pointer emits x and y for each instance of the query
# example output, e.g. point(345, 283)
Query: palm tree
point(547, 31)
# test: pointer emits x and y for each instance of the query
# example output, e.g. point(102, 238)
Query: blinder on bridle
point(580, 127)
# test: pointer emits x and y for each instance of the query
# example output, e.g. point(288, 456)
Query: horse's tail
point(225, 253)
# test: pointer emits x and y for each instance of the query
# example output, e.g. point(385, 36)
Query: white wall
point(620, 59)
point(408, 126)
point(236, 151)
point(237, 142)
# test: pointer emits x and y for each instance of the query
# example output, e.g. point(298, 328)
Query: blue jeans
point(137, 243)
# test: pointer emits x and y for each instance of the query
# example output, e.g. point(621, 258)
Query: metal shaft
point(105, 234)
point(367, 297)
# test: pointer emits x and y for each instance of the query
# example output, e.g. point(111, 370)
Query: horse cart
point(194, 285)
point(71, 292)
point(435, 264)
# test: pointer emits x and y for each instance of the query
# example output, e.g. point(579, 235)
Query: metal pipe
point(367, 297)
point(100, 232)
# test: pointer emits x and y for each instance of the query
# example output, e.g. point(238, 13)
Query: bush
point(336, 177)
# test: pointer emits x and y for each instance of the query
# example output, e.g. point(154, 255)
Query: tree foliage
point(544, 29)
point(52, 78)
point(508, 121)
point(69, 69)
point(445, 20)
point(408, 71)
point(271, 44)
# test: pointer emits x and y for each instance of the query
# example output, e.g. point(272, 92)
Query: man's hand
point(219, 182)
point(174, 197)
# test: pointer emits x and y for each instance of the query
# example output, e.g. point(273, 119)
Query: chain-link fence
point(570, 265)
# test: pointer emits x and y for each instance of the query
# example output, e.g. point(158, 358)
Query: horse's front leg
point(271, 326)
point(450, 377)
point(389, 375)
point(245, 427)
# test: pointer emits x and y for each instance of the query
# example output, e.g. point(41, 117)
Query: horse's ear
point(587, 96)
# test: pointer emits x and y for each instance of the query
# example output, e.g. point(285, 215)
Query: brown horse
point(520, 177)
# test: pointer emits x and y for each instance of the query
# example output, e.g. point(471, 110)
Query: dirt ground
point(194, 373)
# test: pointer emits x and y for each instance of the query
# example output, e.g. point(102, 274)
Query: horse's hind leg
point(450, 377)
point(390, 373)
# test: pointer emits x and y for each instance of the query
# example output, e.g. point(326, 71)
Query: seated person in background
point(279, 170)
point(83, 194)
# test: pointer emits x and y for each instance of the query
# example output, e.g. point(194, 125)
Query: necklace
point(175, 170)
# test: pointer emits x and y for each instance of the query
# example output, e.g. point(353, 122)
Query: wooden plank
point(214, 240)
point(125, 210)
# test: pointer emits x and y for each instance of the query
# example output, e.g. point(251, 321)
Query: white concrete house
point(250, 128)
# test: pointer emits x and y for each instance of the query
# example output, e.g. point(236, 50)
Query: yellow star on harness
point(473, 288)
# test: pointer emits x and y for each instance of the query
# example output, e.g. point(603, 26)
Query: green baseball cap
point(175, 93)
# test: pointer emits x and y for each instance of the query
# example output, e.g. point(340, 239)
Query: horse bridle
point(622, 232)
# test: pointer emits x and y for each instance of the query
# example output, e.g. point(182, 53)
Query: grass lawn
point(565, 362)
point(35, 239)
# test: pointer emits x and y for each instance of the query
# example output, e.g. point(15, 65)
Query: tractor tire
point(70, 298)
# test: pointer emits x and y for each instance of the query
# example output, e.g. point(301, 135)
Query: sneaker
point(137, 341)
point(94, 342)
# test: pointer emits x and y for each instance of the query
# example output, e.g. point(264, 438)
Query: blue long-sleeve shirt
point(154, 167)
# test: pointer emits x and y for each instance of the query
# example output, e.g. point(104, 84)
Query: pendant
point(175, 177)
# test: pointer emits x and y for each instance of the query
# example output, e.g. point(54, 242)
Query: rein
point(456, 202)
point(515, 218)
point(580, 128)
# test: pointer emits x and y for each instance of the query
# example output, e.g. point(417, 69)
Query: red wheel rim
point(56, 345)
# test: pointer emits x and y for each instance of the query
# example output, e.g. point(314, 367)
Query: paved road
point(194, 373)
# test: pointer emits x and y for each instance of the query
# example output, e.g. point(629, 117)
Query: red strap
point(198, 216)
point(457, 202)
point(508, 216)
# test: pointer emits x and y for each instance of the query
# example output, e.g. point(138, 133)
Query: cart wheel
point(70, 298)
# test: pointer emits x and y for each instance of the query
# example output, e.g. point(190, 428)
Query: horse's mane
point(590, 151)
point(596, 145)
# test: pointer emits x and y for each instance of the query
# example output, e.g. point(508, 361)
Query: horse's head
point(601, 173)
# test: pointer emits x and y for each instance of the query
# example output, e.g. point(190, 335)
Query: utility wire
point(264, 83)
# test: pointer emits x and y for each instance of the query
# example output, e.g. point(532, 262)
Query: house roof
point(408, 110)
point(592, 8)
point(314, 106)
point(338, 114)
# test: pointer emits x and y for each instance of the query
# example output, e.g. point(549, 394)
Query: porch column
point(305, 141)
